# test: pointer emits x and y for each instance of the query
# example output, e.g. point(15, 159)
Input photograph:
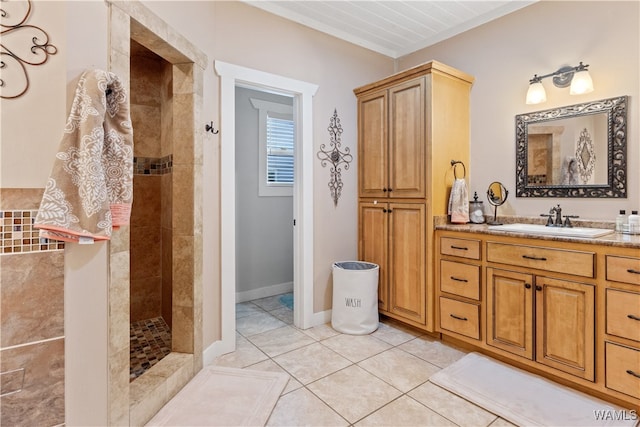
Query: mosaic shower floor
point(150, 342)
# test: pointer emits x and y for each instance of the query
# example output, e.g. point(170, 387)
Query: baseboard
point(320, 318)
point(216, 349)
point(267, 291)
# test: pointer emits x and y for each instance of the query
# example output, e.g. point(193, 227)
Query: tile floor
point(381, 379)
point(150, 343)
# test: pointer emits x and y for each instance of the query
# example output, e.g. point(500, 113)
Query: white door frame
point(230, 76)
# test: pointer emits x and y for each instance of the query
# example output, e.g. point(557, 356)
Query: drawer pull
point(635, 374)
point(465, 280)
point(463, 318)
point(535, 258)
point(459, 247)
point(633, 317)
point(632, 271)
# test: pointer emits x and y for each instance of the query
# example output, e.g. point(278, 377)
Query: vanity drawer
point(623, 269)
point(622, 369)
point(465, 248)
point(549, 259)
point(623, 314)
point(460, 279)
point(460, 317)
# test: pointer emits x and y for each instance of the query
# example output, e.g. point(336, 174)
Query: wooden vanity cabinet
point(622, 340)
point(410, 126)
point(459, 284)
point(510, 311)
point(523, 307)
point(563, 309)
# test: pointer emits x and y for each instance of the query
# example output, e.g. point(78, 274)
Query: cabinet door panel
point(407, 261)
point(372, 145)
point(510, 311)
point(407, 156)
point(372, 244)
point(565, 330)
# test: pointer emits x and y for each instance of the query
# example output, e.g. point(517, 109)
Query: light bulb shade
point(581, 83)
point(536, 93)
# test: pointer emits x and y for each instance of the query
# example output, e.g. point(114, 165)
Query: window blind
point(280, 134)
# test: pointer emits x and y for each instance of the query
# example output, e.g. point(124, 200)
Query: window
point(276, 147)
point(280, 134)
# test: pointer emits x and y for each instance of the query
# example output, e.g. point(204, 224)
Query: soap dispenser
point(476, 210)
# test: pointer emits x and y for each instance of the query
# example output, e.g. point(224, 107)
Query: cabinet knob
point(390, 190)
point(538, 288)
point(527, 285)
point(384, 190)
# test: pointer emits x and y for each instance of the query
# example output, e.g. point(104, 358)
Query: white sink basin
point(589, 233)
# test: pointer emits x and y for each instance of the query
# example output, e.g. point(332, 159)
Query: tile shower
point(151, 217)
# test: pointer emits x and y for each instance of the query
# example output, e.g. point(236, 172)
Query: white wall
point(538, 39)
point(264, 225)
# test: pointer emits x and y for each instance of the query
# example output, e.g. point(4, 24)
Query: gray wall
point(264, 225)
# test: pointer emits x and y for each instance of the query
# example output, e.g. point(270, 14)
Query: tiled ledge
point(151, 391)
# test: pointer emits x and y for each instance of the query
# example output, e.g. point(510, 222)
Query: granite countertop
point(613, 239)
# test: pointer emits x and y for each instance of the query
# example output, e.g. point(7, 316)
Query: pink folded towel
point(90, 189)
point(459, 202)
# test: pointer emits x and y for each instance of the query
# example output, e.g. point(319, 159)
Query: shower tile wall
point(151, 233)
point(31, 316)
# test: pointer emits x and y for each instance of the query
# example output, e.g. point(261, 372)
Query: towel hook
point(210, 128)
point(458, 162)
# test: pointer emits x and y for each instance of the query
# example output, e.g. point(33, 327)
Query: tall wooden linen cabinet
point(410, 126)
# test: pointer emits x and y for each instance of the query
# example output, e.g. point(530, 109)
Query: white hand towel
point(459, 202)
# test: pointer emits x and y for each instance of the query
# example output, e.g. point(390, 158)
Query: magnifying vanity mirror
point(574, 151)
point(497, 195)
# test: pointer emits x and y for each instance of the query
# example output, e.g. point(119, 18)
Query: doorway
point(265, 141)
point(302, 93)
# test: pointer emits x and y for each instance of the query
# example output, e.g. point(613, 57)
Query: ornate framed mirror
point(574, 151)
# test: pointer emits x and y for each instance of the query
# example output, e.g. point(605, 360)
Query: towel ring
point(454, 163)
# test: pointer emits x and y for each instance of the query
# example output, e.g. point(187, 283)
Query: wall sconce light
point(578, 77)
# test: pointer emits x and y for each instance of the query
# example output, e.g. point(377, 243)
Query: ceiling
point(391, 27)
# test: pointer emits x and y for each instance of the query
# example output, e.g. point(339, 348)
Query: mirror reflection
point(568, 151)
point(573, 151)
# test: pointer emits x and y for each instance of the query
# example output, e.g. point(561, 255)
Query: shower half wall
point(151, 219)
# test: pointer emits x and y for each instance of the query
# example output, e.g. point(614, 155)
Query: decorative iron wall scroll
point(335, 156)
point(22, 44)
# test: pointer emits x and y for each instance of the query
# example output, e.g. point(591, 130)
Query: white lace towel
point(90, 189)
point(459, 202)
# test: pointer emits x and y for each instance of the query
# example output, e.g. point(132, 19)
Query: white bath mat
point(219, 396)
point(526, 399)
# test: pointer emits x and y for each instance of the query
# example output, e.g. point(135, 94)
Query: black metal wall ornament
point(335, 157)
point(16, 51)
